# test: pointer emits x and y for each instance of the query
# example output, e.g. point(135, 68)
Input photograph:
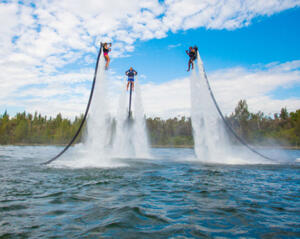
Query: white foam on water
point(131, 140)
point(102, 142)
point(95, 149)
point(212, 144)
point(98, 132)
point(121, 146)
point(141, 142)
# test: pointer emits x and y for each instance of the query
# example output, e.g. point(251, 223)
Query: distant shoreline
point(163, 146)
point(258, 146)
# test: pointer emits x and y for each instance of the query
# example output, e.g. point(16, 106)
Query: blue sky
point(250, 51)
point(267, 39)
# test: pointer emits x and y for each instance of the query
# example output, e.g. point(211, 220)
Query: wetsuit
point(131, 74)
point(192, 55)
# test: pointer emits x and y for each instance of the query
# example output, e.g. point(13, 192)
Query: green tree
point(284, 114)
point(242, 115)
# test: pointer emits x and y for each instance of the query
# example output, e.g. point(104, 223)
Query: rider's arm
point(126, 73)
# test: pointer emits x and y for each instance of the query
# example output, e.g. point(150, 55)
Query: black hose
point(86, 112)
point(241, 140)
point(130, 96)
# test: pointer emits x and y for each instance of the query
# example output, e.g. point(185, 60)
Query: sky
point(250, 51)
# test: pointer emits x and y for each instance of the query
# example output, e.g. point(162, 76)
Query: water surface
point(167, 197)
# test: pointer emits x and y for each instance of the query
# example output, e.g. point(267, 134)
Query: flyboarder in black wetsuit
point(192, 52)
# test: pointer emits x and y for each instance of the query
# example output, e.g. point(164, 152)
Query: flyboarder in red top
point(106, 49)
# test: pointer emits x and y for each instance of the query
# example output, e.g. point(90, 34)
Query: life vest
point(131, 74)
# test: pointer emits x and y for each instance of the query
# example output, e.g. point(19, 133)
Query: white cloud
point(215, 14)
point(174, 46)
point(170, 98)
point(37, 42)
point(229, 86)
point(255, 86)
point(167, 99)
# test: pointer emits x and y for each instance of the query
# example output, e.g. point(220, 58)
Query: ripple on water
point(13, 207)
point(153, 199)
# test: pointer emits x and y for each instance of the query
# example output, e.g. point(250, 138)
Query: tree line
point(255, 128)
point(26, 128)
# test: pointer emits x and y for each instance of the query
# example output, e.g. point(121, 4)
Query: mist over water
point(98, 133)
point(212, 142)
point(107, 138)
point(131, 138)
point(140, 136)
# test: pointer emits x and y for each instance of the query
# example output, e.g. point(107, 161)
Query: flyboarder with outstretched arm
point(192, 52)
point(106, 49)
point(131, 73)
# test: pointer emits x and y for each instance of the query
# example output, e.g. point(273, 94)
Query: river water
point(170, 196)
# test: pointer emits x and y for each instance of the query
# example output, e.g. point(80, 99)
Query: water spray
point(86, 111)
point(204, 119)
